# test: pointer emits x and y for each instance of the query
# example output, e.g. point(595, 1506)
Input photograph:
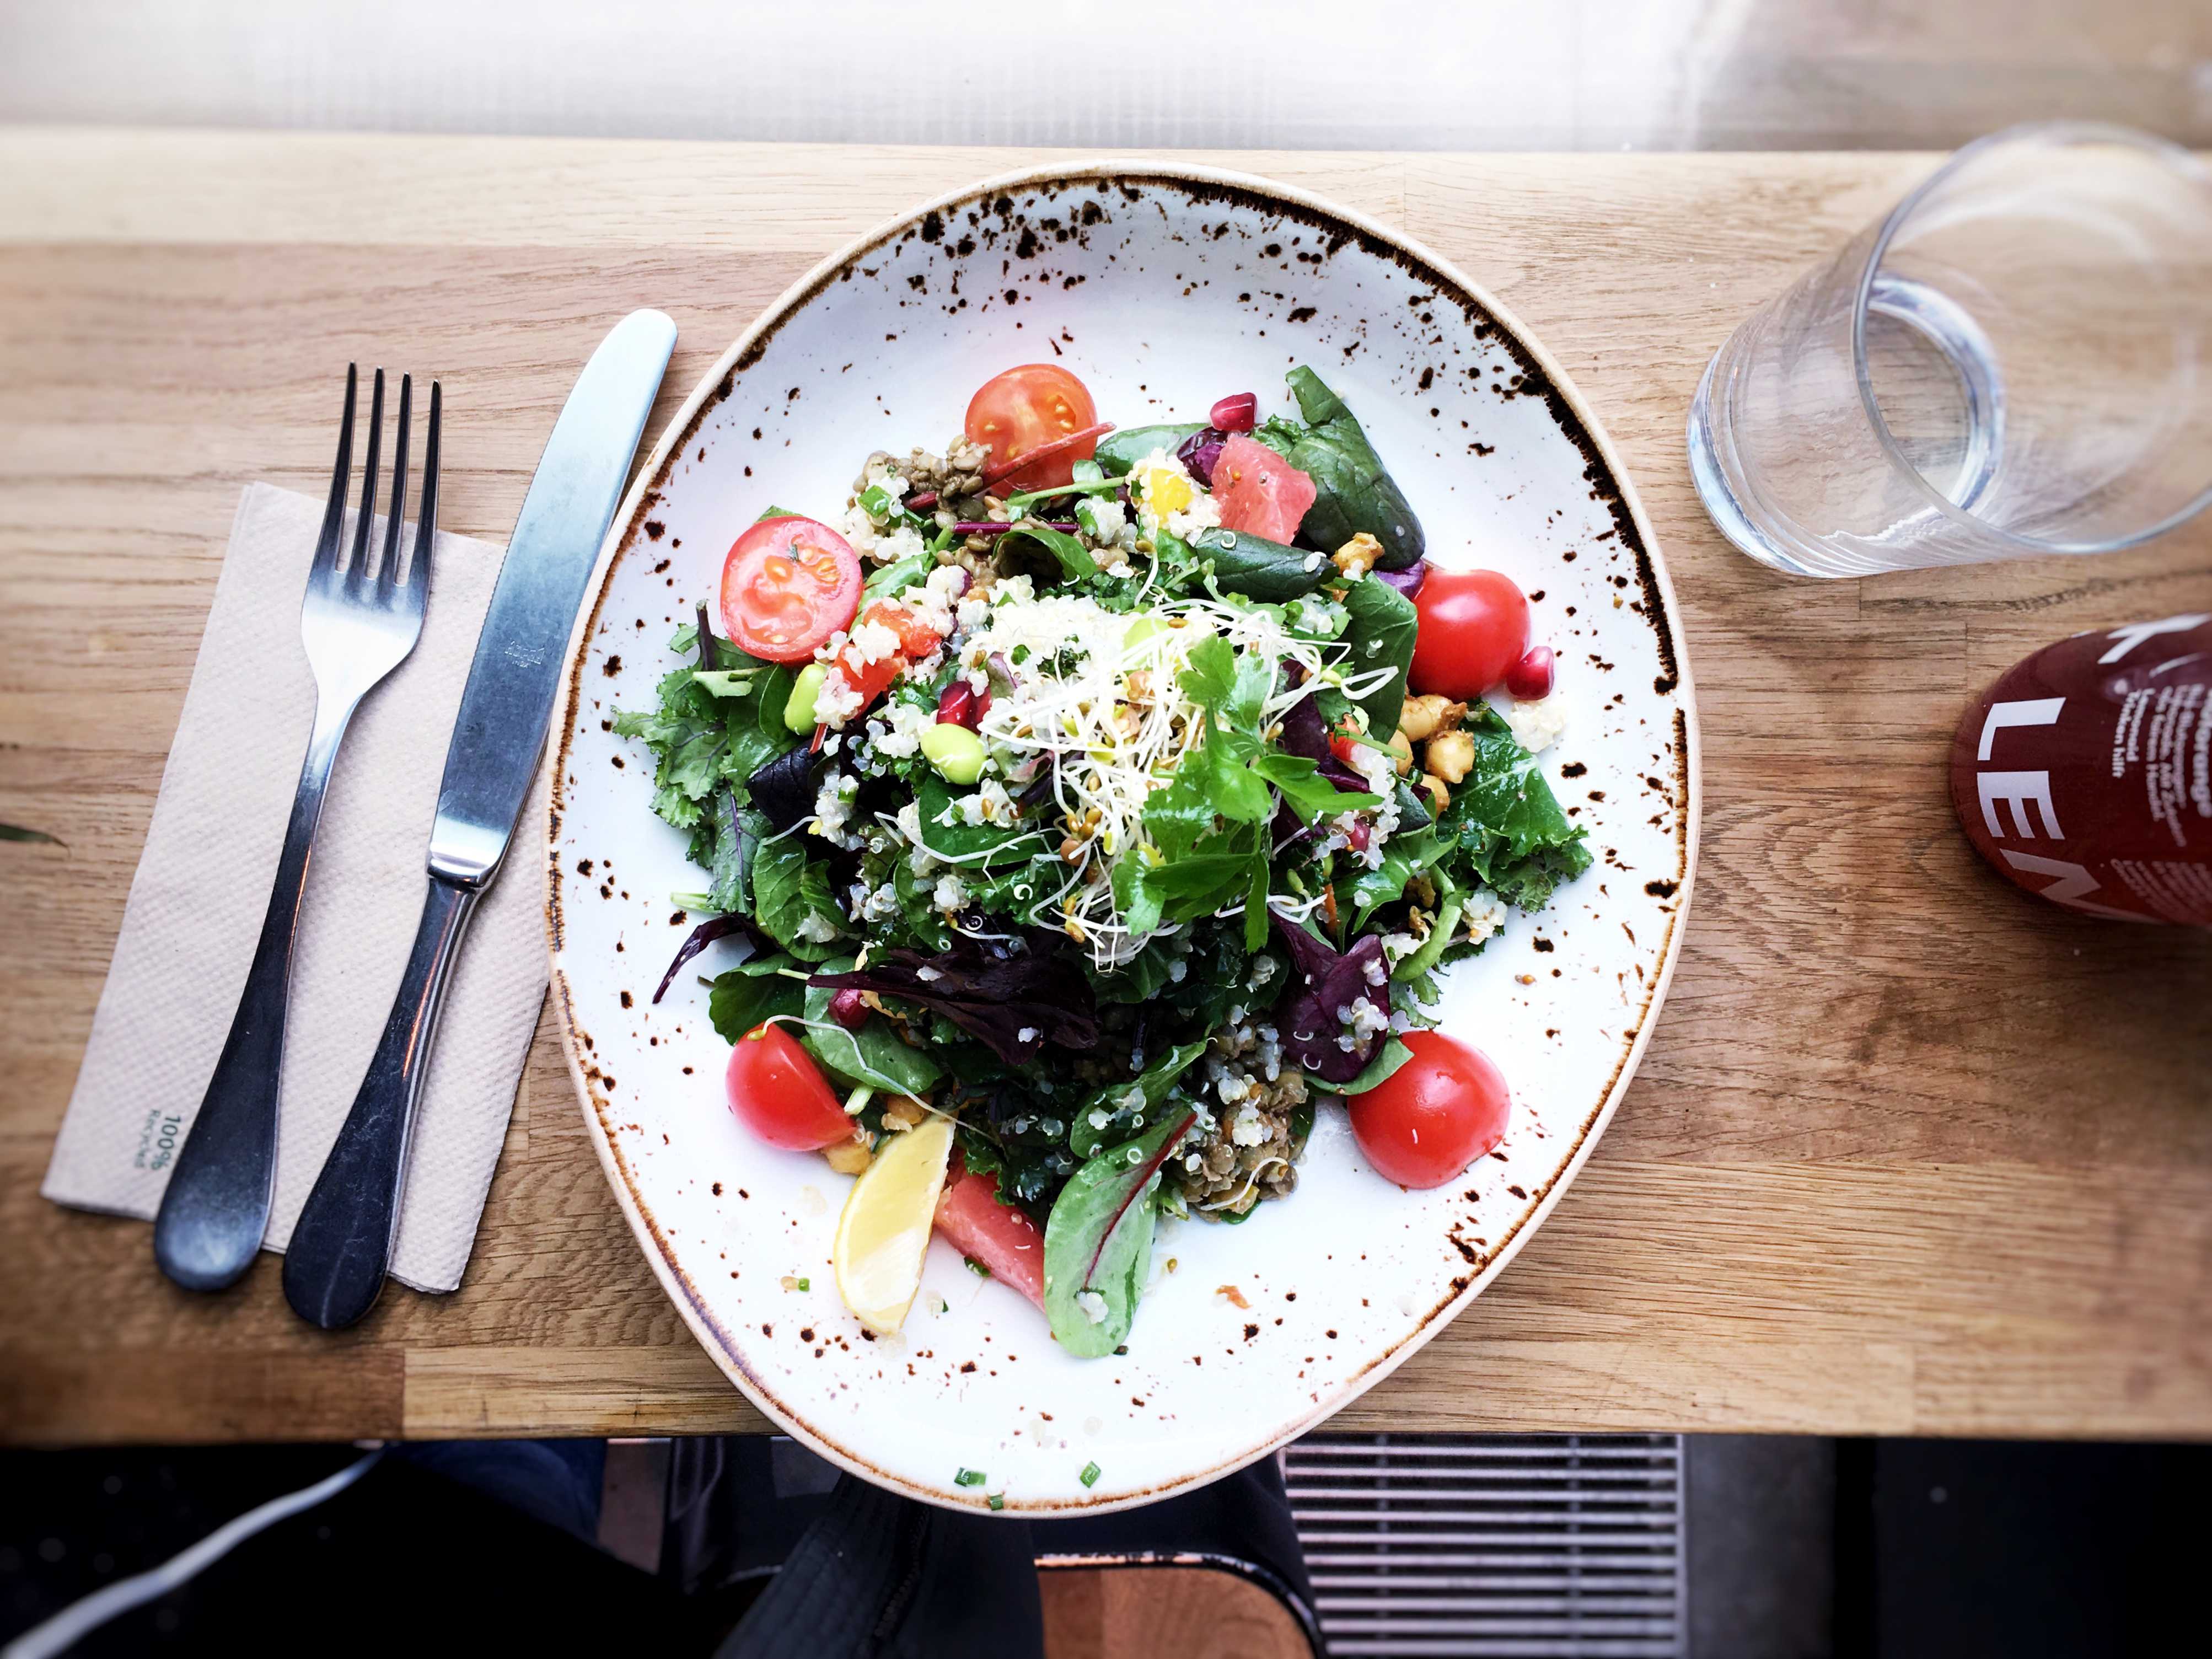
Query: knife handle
point(342, 1244)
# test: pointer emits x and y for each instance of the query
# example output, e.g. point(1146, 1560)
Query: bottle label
point(2085, 774)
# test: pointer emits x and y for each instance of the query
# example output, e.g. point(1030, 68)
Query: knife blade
point(500, 733)
point(341, 1246)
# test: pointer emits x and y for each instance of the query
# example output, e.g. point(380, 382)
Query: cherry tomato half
point(777, 1092)
point(1035, 404)
point(1474, 628)
point(1434, 1116)
point(1259, 491)
point(789, 585)
point(1000, 1236)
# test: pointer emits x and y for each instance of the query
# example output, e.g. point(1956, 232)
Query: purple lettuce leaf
point(1199, 452)
point(1013, 1002)
point(1323, 981)
point(1304, 734)
point(705, 934)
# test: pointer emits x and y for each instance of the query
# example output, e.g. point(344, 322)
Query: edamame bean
point(955, 751)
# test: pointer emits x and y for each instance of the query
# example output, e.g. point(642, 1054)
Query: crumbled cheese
point(988, 804)
point(1029, 1034)
point(837, 701)
point(902, 737)
point(817, 927)
point(874, 642)
point(951, 894)
point(1537, 724)
point(1484, 913)
point(860, 530)
point(833, 807)
point(1204, 513)
point(1093, 1306)
point(1109, 518)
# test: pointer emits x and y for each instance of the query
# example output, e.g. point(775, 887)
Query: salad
point(1100, 805)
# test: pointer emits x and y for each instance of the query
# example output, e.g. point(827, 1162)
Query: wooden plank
point(1130, 1613)
point(1909, 1151)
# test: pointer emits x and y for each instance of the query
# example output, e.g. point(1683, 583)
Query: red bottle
point(2085, 774)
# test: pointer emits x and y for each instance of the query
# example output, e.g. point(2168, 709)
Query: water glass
point(2015, 361)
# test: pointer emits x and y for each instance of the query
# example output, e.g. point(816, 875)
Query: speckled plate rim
point(746, 349)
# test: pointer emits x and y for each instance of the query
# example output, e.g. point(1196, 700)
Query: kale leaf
point(1503, 822)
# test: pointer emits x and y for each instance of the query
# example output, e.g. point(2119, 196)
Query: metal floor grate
point(1465, 1547)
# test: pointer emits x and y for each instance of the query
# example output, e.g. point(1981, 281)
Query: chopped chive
point(994, 1500)
point(1089, 1475)
point(970, 1478)
point(976, 1267)
point(805, 1284)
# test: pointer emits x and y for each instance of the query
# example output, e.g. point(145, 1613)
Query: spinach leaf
point(791, 896)
point(896, 578)
point(1405, 855)
point(1120, 451)
point(1259, 568)
point(755, 990)
point(1388, 1059)
point(1073, 558)
point(757, 733)
point(1124, 1107)
point(1098, 1241)
point(1383, 625)
point(874, 1056)
point(1354, 491)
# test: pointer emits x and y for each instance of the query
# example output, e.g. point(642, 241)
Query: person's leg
point(880, 1576)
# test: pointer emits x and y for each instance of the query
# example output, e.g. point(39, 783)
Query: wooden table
point(1911, 1153)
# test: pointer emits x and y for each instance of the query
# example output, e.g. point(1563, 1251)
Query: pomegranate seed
point(1359, 835)
point(1237, 413)
point(848, 1010)
point(961, 704)
point(1532, 676)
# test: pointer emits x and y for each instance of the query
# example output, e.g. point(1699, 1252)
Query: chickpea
point(1423, 717)
point(1449, 755)
point(849, 1156)
point(903, 1114)
point(1440, 797)
point(1402, 754)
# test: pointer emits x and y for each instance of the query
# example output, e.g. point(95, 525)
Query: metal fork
point(357, 626)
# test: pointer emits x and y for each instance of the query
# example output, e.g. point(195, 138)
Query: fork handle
point(215, 1208)
point(342, 1244)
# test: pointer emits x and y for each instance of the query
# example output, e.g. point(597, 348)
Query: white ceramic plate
point(1164, 290)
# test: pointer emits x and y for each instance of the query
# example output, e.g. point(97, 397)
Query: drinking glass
point(2016, 360)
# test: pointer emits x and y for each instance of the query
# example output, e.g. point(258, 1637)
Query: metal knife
point(334, 1264)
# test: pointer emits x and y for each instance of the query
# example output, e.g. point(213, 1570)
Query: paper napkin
point(202, 886)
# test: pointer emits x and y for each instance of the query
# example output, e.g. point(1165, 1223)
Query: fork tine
point(360, 560)
point(388, 569)
point(426, 524)
point(333, 530)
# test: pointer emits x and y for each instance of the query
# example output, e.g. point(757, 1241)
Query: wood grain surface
point(1911, 1153)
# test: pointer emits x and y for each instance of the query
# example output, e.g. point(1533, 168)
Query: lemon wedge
point(883, 1232)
